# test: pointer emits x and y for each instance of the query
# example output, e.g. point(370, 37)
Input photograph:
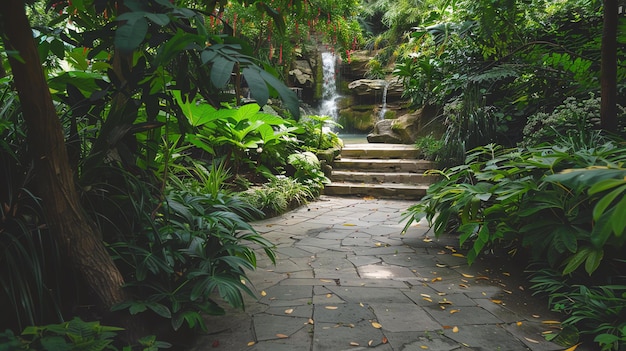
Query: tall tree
point(608, 74)
point(69, 224)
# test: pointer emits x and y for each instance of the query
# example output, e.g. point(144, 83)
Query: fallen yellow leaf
point(369, 343)
point(289, 311)
point(441, 265)
point(445, 302)
point(251, 343)
point(464, 286)
point(328, 296)
point(378, 244)
point(424, 295)
point(282, 336)
point(518, 323)
point(467, 275)
point(455, 329)
point(376, 325)
point(311, 321)
point(454, 311)
point(423, 347)
point(450, 248)
point(427, 239)
point(353, 343)
point(572, 348)
point(331, 307)
point(496, 301)
point(349, 225)
point(436, 279)
point(427, 299)
point(506, 273)
point(531, 340)
point(326, 280)
point(457, 255)
point(550, 322)
point(263, 293)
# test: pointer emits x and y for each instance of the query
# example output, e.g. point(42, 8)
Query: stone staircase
point(380, 171)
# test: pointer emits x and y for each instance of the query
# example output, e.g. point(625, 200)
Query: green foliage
point(597, 311)
point(564, 206)
point(194, 248)
point(429, 146)
point(574, 118)
point(469, 124)
point(33, 281)
point(308, 171)
point(278, 196)
point(490, 199)
point(75, 335)
point(318, 134)
point(240, 133)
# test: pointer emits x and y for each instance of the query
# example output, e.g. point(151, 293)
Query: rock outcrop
point(406, 128)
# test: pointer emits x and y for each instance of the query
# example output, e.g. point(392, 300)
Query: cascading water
point(328, 106)
point(383, 110)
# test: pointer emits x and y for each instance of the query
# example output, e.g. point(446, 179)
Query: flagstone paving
point(346, 278)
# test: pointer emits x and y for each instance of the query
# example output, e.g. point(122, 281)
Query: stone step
point(383, 165)
point(382, 177)
point(387, 151)
point(381, 191)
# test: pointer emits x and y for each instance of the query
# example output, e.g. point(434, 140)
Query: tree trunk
point(68, 223)
point(608, 74)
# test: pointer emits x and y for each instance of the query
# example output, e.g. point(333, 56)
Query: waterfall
point(328, 106)
point(383, 110)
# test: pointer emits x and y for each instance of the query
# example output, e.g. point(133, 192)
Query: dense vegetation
point(144, 136)
point(530, 164)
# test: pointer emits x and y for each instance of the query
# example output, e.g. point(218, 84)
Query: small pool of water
point(353, 138)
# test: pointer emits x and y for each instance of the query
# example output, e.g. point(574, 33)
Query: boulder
point(302, 74)
point(384, 133)
point(404, 129)
point(356, 67)
point(362, 87)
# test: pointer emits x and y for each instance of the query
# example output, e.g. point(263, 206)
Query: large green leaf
point(593, 260)
point(258, 86)
point(131, 34)
point(221, 71)
point(288, 96)
point(197, 113)
point(576, 260)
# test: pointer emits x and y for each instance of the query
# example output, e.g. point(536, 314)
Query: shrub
point(428, 146)
point(491, 199)
point(574, 118)
point(193, 249)
point(278, 196)
point(563, 204)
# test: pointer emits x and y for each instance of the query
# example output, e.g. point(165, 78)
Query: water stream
point(328, 106)
point(383, 110)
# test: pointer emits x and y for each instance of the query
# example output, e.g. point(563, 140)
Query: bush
point(574, 118)
point(563, 205)
point(278, 196)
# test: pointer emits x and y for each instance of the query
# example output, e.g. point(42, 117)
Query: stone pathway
point(347, 279)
